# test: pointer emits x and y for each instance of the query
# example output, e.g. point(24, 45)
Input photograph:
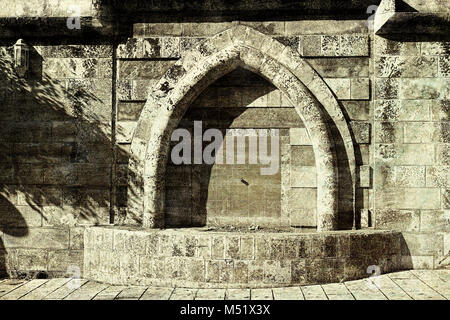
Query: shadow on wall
point(13, 215)
point(55, 144)
point(190, 205)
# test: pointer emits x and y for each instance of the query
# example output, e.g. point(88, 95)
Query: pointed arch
point(170, 98)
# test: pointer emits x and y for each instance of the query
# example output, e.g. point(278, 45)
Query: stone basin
point(205, 258)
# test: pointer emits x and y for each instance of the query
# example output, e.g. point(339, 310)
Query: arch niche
point(170, 98)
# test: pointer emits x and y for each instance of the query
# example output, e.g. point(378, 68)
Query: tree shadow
point(56, 151)
point(13, 219)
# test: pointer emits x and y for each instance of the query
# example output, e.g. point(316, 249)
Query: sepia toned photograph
point(224, 150)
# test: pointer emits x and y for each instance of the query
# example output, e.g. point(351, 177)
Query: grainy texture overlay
point(349, 101)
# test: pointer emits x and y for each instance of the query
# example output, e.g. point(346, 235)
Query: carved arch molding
point(245, 47)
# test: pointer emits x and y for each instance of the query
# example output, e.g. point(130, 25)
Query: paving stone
point(335, 289)
point(210, 294)
point(183, 294)
point(157, 293)
point(340, 297)
point(404, 285)
point(66, 289)
point(131, 293)
point(44, 290)
point(237, 294)
point(417, 289)
point(110, 293)
point(288, 293)
point(261, 294)
point(24, 289)
point(368, 295)
point(8, 285)
point(87, 291)
point(314, 292)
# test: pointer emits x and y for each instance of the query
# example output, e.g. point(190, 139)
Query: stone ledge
point(200, 258)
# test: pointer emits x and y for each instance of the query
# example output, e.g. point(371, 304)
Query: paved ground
point(406, 285)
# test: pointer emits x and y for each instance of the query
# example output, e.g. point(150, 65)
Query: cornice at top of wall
point(413, 17)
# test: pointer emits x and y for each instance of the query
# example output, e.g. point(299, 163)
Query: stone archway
point(183, 82)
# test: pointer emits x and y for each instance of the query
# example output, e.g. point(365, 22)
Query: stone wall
point(66, 130)
point(201, 258)
point(340, 57)
point(411, 155)
point(56, 154)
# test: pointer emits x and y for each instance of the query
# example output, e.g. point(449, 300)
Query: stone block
point(393, 219)
point(247, 249)
point(331, 45)
point(446, 243)
point(357, 110)
point(31, 260)
point(418, 262)
point(423, 244)
point(443, 154)
point(39, 238)
point(386, 88)
point(354, 45)
point(340, 87)
point(440, 110)
point(366, 218)
point(277, 272)
point(299, 137)
point(232, 246)
point(360, 88)
point(406, 154)
point(434, 48)
point(338, 67)
point(303, 177)
point(312, 46)
point(400, 176)
point(195, 29)
point(444, 66)
point(365, 176)
point(240, 271)
point(143, 69)
point(302, 198)
point(132, 48)
point(423, 88)
point(302, 27)
point(302, 156)
point(438, 176)
point(361, 130)
point(434, 220)
point(218, 247)
point(151, 47)
point(65, 261)
point(420, 132)
point(262, 248)
point(406, 67)
point(404, 110)
point(303, 217)
point(384, 46)
point(389, 132)
point(446, 198)
point(408, 198)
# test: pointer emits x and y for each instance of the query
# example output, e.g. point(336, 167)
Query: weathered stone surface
point(66, 157)
point(360, 88)
point(408, 198)
point(276, 261)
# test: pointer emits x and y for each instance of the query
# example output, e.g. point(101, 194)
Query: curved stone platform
point(196, 257)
